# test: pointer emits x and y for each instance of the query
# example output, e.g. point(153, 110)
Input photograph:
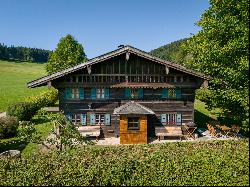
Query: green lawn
point(14, 77)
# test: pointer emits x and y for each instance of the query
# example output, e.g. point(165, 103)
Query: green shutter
point(163, 119)
point(92, 119)
point(107, 119)
point(106, 93)
point(84, 119)
point(127, 93)
point(81, 93)
point(93, 93)
point(140, 93)
point(164, 94)
point(178, 93)
point(68, 116)
point(67, 93)
point(178, 119)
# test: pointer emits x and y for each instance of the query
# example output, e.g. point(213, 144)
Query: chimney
point(120, 46)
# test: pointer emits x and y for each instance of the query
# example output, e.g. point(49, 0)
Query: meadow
point(14, 77)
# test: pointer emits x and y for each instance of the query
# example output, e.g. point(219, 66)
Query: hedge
point(182, 163)
point(47, 98)
point(23, 111)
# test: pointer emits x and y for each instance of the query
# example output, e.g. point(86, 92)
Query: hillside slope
point(171, 52)
point(14, 77)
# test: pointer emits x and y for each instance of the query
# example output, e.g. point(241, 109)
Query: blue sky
point(99, 25)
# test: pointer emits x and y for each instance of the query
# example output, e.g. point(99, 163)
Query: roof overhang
point(43, 80)
point(132, 108)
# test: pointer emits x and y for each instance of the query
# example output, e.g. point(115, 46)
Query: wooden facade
point(138, 136)
point(90, 94)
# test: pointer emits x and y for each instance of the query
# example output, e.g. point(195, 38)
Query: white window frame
point(76, 119)
point(100, 93)
point(75, 93)
point(99, 119)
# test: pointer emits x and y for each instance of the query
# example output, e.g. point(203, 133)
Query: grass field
point(14, 77)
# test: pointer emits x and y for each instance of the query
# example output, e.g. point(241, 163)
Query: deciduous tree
point(221, 50)
point(67, 54)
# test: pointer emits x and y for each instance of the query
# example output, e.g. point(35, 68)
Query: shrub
point(8, 127)
point(216, 163)
point(47, 98)
point(24, 111)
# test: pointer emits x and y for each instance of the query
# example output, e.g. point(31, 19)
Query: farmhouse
point(127, 93)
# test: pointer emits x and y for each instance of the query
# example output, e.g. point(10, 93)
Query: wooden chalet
point(128, 93)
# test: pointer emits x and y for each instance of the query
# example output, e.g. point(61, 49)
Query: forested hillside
point(24, 54)
point(171, 52)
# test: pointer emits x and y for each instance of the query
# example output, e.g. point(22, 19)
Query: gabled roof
point(119, 51)
point(132, 108)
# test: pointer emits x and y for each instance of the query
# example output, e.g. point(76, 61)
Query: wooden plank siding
point(159, 106)
point(118, 70)
point(133, 136)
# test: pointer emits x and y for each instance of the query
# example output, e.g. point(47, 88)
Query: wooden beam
point(127, 56)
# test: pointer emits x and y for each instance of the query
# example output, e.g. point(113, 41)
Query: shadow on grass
point(201, 119)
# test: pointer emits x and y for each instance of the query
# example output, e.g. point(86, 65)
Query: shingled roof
point(43, 80)
point(132, 108)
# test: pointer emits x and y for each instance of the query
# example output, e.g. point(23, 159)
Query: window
point(132, 93)
point(75, 93)
point(171, 119)
point(172, 93)
point(76, 118)
point(133, 123)
point(99, 119)
point(100, 93)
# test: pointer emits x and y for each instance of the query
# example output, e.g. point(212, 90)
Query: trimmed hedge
point(8, 127)
point(45, 99)
point(23, 111)
point(179, 164)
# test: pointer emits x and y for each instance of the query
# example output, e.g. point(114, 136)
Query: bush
point(24, 111)
point(8, 127)
point(216, 163)
point(47, 98)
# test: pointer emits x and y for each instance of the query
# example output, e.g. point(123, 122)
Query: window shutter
point(140, 94)
point(164, 93)
point(68, 116)
point(179, 119)
point(106, 93)
point(93, 93)
point(163, 119)
point(84, 119)
point(92, 119)
point(67, 93)
point(81, 93)
point(127, 93)
point(107, 119)
point(178, 93)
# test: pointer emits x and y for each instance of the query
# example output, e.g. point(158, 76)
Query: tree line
point(24, 53)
